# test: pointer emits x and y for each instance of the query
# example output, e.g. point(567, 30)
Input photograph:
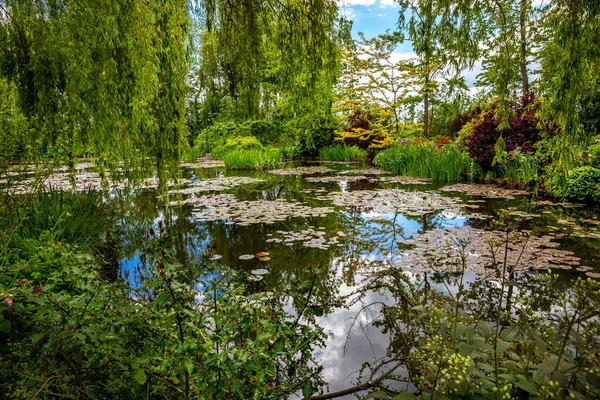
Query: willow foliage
point(105, 78)
point(267, 58)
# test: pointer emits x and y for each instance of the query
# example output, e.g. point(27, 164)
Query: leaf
point(4, 325)
point(526, 385)
point(36, 337)
point(188, 365)
point(509, 334)
point(380, 394)
point(140, 376)
point(485, 328)
point(259, 271)
point(501, 347)
point(318, 311)
point(405, 396)
point(307, 390)
point(465, 349)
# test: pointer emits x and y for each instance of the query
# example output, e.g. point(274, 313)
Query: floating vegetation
point(204, 163)
point(246, 257)
point(594, 275)
point(387, 201)
point(301, 171)
point(487, 191)
point(224, 207)
point(551, 203)
point(309, 237)
point(216, 184)
point(439, 249)
point(259, 271)
point(337, 178)
point(405, 180)
point(211, 200)
point(368, 171)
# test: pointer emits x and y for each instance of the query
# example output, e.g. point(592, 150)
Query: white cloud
point(342, 3)
point(381, 15)
point(349, 12)
point(387, 3)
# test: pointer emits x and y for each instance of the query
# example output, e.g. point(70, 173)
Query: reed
point(342, 152)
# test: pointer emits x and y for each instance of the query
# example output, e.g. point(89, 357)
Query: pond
point(356, 220)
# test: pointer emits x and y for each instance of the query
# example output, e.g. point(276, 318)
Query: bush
point(583, 183)
point(265, 132)
point(314, 140)
point(236, 143)
point(360, 130)
point(520, 168)
point(522, 133)
point(342, 152)
point(448, 164)
point(253, 159)
point(214, 135)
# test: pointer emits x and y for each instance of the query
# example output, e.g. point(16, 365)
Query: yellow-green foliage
point(236, 143)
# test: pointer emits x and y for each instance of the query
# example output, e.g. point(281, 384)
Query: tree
point(377, 82)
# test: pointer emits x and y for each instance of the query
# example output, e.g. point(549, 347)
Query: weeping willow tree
point(102, 78)
point(273, 59)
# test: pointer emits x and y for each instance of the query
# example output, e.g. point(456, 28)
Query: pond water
point(355, 220)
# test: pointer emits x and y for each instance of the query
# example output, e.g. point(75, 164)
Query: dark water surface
point(365, 238)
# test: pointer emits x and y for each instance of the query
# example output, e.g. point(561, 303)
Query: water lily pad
point(215, 257)
point(260, 271)
point(262, 254)
point(266, 258)
point(246, 257)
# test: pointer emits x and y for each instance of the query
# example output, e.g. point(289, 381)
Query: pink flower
point(8, 302)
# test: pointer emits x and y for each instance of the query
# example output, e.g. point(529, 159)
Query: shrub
point(448, 164)
point(314, 140)
point(342, 152)
point(214, 135)
point(360, 130)
point(253, 159)
point(522, 133)
point(583, 183)
point(266, 132)
point(236, 143)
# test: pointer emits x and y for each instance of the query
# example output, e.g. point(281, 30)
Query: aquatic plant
point(448, 164)
point(342, 152)
point(253, 159)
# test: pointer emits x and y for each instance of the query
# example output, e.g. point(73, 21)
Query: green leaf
point(526, 385)
point(405, 396)
point(140, 376)
point(317, 311)
point(36, 337)
point(188, 365)
point(380, 394)
point(501, 347)
point(485, 328)
point(4, 325)
point(465, 349)
point(307, 389)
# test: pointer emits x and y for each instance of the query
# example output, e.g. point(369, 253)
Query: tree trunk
point(426, 113)
point(524, 11)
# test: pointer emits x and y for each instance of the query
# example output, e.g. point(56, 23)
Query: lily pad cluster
point(439, 249)
point(337, 178)
point(301, 171)
point(487, 191)
point(216, 184)
point(367, 171)
point(206, 201)
point(204, 163)
point(222, 207)
point(405, 180)
point(388, 201)
point(310, 237)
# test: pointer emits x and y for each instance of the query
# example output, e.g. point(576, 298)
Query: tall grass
point(192, 154)
point(448, 164)
point(74, 218)
point(342, 152)
point(253, 159)
point(523, 170)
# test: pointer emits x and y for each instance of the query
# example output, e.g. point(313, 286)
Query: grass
point(523, 170)
point(252, 159)
point(192, 154)
point(448, 164)
point(342, 152)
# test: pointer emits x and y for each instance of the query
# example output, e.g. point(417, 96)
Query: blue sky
point(372, 17)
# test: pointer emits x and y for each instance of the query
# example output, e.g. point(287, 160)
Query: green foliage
point(520, 168)
point(342, 152)
point(110, 79)
point(267, 158)
point(214, 135)
point(266, 132)
point(583, 183)
point(76, 218)
point(76, 333)
point(311, 143)
point(236, 143)
point(13, 125)
point(448, 164)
